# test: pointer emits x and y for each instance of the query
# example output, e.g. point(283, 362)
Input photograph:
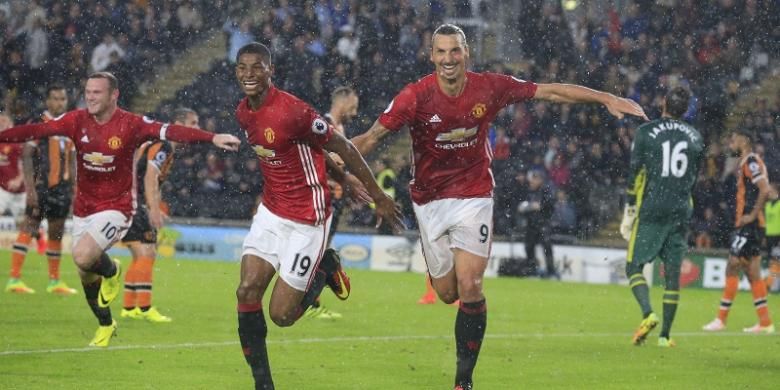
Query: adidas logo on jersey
point(85, 139)
point(435, 119)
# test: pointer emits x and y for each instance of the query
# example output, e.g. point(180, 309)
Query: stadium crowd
point(719, 49)
point(65, 41)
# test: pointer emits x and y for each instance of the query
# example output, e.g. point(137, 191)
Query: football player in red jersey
point(12, 188)
point(289, 232)
point(448, 113)
point(106, 138)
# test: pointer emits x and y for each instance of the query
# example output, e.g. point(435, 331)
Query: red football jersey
point(287, 135)
point(451, 153)
point(10, 154)
point(105, 169)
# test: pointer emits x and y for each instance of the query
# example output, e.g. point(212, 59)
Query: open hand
point(388, 211)
point(618, 107)
point(355, 189)
point(226, 141)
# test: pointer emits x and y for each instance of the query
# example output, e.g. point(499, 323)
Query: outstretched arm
point(189, 134)
point(367, 142)
point(29, 132)
point(386, 209)
point(570, 93)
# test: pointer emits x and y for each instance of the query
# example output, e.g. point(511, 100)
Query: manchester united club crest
point(114, 143)
point(269, 135)
point(479, 110)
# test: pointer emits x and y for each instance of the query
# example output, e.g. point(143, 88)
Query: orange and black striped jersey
point(158, 154)
point(751, 171)
point(54, 158)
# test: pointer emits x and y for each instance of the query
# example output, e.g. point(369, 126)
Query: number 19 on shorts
point(300, 265)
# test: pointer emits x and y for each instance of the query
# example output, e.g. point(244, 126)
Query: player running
point(153, 161)
point(448, 113)
point(105, 138)
point(665, 160)
point(49, 167)
point(745, 251)
point(289, 233)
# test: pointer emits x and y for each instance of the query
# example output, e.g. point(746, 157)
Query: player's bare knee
point(470, 287)
point(448, 296)
point(84, 261)
point(282, 318)
point(248, 292)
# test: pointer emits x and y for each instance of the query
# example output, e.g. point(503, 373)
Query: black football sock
point(104, 267)
point(470, 325)
point(103, 314)
point(328, 265)
point(252, 332)
point(671, 297)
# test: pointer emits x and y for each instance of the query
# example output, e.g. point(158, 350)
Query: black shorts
point(746, 241)
point(773, 247)
point(53, 203)
point(141, 230)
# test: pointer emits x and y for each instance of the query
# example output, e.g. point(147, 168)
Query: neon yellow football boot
point(153, 315)
point(663, 342)
point(645, 327)
point(17, 286)
point(132, 313)
point(59, 287)
point(110, 287)
point(103, 335)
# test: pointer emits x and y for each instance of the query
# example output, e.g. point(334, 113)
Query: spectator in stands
point(348, 43)
point(101, 55)
point(189, 17)
point(239, 34)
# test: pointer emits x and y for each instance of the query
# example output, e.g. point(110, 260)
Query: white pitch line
point(316, 340)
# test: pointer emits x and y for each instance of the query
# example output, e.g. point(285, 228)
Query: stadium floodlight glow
point(569, 5)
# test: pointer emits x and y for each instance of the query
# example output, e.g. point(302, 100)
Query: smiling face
point(100, 98)
point(254, 74)
point(449, 53)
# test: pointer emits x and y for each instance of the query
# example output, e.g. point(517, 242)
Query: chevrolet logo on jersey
point(98, 159)
point(457, 135)
point(263, 152)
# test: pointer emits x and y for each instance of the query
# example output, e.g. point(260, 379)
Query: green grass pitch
point(540, 335)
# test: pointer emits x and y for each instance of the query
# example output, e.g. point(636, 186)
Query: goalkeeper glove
point(627, 226)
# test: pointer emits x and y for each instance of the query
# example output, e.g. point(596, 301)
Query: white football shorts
point(294, 249)
point(106, 227)
point(445, 224)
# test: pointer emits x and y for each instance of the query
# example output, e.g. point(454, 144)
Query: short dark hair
point(342, 91)
point(677, 100)
point(255, 48)
point(54, 87)
point(180, 114)
point(113, 83)
point(449, 29)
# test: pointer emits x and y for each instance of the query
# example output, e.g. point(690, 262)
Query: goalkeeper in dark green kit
point(665, 160)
